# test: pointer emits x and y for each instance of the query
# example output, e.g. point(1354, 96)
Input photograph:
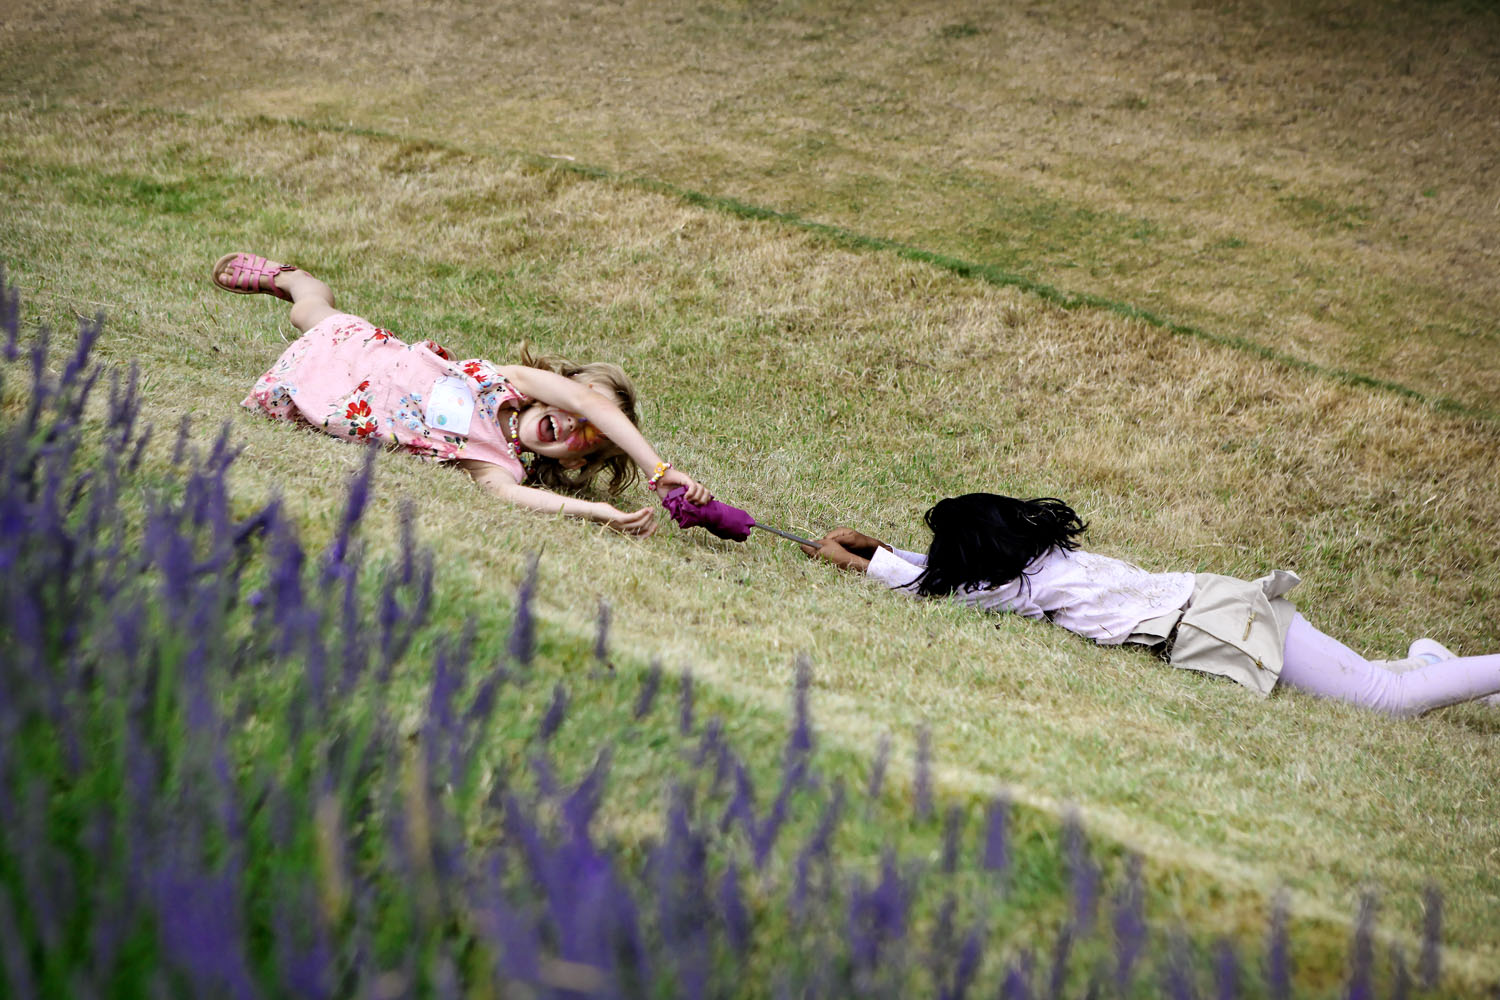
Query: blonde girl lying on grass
point(547, 422)
point(1004, 554)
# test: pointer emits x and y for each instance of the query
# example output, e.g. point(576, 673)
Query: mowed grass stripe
point(850, 239)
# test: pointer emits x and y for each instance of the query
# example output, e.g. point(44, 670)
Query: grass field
point(1225, 278)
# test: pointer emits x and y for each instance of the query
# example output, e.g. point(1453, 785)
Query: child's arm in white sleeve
point(895, 568)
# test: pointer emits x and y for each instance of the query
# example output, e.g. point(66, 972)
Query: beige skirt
point(1232, 627)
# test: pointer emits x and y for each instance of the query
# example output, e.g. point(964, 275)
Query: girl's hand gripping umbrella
point(719, 518)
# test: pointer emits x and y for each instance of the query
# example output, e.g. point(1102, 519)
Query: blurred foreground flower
point(206, 790)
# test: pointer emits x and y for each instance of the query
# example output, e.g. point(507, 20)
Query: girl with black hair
point(1004, 554)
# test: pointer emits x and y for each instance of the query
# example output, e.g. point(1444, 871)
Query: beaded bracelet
point(661, 470)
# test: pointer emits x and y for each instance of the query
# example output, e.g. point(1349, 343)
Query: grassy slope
point(1319, 180)
point(903, 383)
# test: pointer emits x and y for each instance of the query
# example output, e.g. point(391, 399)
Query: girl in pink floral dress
point(543, 421)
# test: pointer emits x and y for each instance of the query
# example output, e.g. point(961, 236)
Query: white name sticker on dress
point(450, 406)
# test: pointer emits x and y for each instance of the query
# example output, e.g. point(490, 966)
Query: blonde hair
point(612, 381)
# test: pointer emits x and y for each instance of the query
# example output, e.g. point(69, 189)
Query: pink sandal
point(250, 275)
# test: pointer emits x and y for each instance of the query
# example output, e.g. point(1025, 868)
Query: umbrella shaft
point(786, 534)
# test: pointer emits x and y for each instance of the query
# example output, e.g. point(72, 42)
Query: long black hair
point(984, 538)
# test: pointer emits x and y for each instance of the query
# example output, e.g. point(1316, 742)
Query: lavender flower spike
point(1429, 966)
point(996, 848)
point(922, 781)
point(649, 684)
point(877, 770)
point(1278, 952)
point(1400, 976)
point(685, 713)
point(1083, 874)
point(953, 828)
point(522, 645)
point(733, 911)
point(800, 742)
point(1226, 972)
point(601, 635)
point(1129, 923)
point(555, 713)
point(1362, 957)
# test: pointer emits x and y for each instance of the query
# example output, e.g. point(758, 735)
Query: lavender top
point(1098, 597)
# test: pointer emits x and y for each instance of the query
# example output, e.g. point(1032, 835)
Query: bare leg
point(312, 301)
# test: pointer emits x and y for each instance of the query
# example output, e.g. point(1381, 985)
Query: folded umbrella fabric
point(719, 518)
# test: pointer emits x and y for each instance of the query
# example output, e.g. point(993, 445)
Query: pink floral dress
point(356, 381)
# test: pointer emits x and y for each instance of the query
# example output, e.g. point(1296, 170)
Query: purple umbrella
point(719, 518)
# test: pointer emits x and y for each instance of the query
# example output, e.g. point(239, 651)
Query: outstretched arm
point(846, 549)
point(555, 390)
point(500, 482)
point(854, 550)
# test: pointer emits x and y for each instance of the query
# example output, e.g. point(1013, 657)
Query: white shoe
point(1430, 650)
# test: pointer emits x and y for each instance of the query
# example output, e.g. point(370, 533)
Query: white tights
point(1322, 665)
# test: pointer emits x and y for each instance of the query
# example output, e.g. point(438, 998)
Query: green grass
point(831, 324)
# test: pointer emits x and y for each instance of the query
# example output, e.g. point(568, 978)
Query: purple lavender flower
point(1083, 874)
point(741, 806)
point(1179, 982)
point(818, 848)
point(77, 365)
point(200, 930)
point(304, 969)
point(183, 440)
point(1062, 952)
point(12, 946)
point(1018, 976)
point(1279, 952)
point(798, 902)
point(483, 703)
point(1362, 953)
point(583, 802)
point(922, 782)
point(441, 724)
point(683, 899)
point(892, 900)
point(649, 685)
point(601, 635)
point(940, 950)
point(800, 742)
point(1429, 965)
point(546, 778)
point(877, 770)
point(124, 404)
point(1129, 923)
point(555, 713)
point(969, 957)
point(732, 910)
point(711, 745)
point(996, 835)
point(10, 316)
point(1226, 972)
point(522, 645)
point(685, 703)
point(768, 829)
point(1400, 975)
point(953, 828)
point(876, 921)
